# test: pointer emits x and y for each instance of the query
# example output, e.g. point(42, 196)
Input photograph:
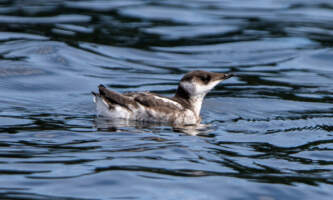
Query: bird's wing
point(112, 97)
point(131, 100)
point(162, 104)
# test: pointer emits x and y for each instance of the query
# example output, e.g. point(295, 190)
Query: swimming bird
point(181, 109)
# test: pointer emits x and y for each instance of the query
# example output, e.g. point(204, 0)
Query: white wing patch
point(169, 101)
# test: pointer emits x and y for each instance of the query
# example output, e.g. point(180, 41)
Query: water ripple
point(266, 133)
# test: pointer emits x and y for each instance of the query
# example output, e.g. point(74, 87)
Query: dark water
point(270, 128)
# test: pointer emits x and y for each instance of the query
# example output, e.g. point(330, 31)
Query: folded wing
point(162, 104)
point(133, 100)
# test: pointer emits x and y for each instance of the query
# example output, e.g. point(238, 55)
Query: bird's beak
point(226, 76)
point(222, 76)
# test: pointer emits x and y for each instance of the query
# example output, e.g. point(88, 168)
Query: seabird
point(181, 109)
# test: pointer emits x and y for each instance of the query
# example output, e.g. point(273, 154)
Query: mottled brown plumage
point(183, 108)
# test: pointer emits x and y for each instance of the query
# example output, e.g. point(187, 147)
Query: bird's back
point(142, 106)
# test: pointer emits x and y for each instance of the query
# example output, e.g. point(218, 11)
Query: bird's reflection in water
point(118, 125)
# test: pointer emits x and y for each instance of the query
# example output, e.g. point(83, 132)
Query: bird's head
point(199, 83)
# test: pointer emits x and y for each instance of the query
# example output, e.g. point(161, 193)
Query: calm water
point(270, 129)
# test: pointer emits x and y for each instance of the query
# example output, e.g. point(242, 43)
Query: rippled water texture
point(269, 133)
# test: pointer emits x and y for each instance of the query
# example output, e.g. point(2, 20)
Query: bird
point(181, 109)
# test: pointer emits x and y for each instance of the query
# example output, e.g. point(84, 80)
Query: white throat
point(196, 103)
point(197, 92)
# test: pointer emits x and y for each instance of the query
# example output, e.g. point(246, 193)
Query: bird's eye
point(205, 79)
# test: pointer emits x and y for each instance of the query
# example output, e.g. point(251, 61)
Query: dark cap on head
point(205, 76)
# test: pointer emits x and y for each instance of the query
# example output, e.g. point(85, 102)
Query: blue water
point(268, 131)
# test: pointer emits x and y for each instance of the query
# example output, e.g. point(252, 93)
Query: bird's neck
point(196, 103)
point(192, 102)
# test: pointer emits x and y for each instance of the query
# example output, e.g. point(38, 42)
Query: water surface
point(270, 127)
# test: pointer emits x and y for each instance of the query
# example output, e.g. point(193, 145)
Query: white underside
point(102, 109)
point(142, 113)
